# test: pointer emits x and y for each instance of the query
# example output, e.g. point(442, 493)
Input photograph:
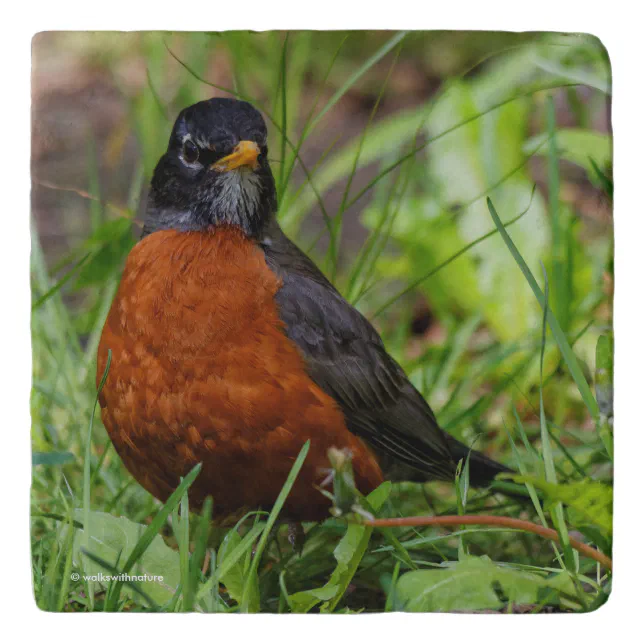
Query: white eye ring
point(190, 152)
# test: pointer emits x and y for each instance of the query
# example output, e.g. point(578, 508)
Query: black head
point(214, 172)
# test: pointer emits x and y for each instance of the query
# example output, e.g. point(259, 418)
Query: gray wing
point(345, 356)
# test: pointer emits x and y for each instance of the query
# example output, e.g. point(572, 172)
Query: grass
point(456, 222)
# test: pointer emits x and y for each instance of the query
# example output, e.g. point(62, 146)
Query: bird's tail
point(482, 469)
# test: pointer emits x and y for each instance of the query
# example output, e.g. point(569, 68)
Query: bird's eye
point(190, 152)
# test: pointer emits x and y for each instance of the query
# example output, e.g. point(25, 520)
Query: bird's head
point(214, 172)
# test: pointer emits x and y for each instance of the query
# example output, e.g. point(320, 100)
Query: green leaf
point(305, 600)
point(385, 137)
point(576, 145)
point(564, 346)
point(87, 479)
point(557, 509)
point(198, 556)
point(150, 533)
point(250, 596)
point(592, 501)
point(601, 179)
point(108, 247)
point(368, 64)
point(233, 555)
point(484, 157)
point(464, 164)
point(600, 81)
point(427, 236)
point(348, 553)
point(113, 539)
point(61, 282)
point(51, 458)
point(233, 577)
point(473, 584)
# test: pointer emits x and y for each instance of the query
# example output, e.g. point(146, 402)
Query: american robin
point(230, 348)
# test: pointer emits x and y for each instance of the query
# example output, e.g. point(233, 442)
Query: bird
point(230, 348)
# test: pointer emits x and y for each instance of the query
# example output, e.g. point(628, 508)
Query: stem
point(492, 520)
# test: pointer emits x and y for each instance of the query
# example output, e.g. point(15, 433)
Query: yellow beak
point(245, 154)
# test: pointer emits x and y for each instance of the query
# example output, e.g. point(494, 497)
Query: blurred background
point(355, 105)
point(385, 147)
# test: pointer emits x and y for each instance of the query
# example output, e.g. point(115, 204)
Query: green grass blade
point(284, 124)
point(604, 390)
point(454, 128)
point(231, 559)
point(562, 298)
point(152, 530)
point(351, 81)
point(391, 538)
point(114, 571)
point(183, 534)
point(548, 457)
point(307, 126)
point(391, 595)
point(196, 560)
point(60, 283)
point(68, 548)
point(560, 336)
point(87, 478)
point(604, 181)
point(155, 95)
point(354, 167)
point(377, 242)
point(534, 496)
point(272, 517)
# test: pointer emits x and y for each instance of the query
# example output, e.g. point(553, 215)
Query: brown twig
point(491, 520)
point(84, 194)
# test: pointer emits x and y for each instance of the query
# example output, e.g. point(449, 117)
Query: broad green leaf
point(592, 501)
point(348, 554)
point(509, 74)
point(150, 533)
point(227, 565)
point(233, 578)
point(480, 154)
point(600, 80)
point(305, 600)
point(576, 145)
point(428, 235)
point(474, 584)
point(463, 166)
point(352, 547)
point(113, 539)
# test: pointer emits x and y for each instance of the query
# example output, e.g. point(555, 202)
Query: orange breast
point(202, 372)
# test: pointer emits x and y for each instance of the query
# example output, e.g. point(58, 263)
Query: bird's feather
point(345, 356)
